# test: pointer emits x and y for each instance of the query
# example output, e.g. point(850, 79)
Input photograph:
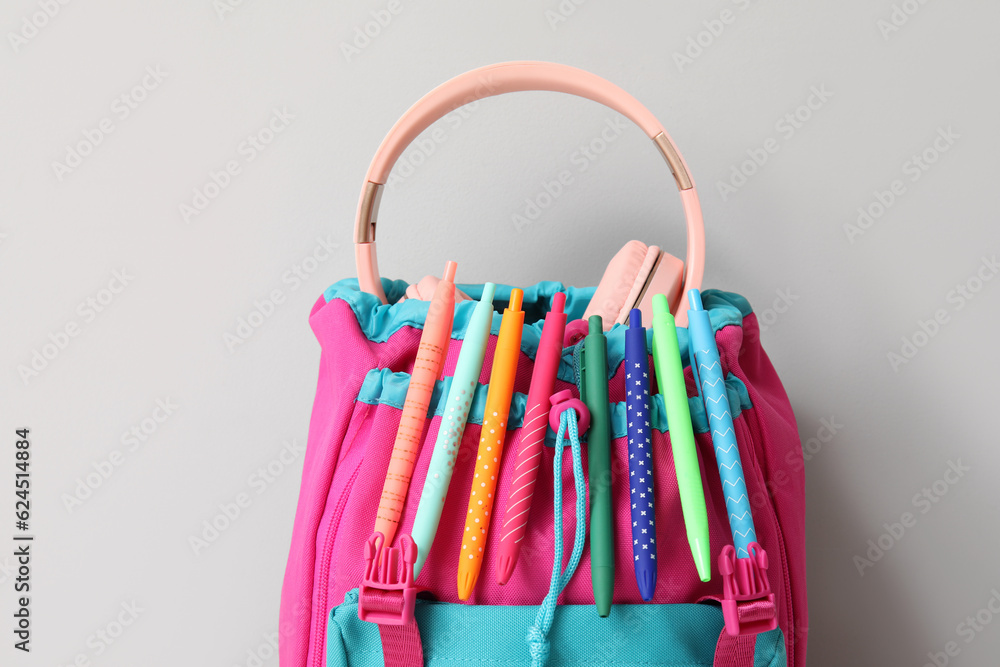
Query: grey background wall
point(120, 306)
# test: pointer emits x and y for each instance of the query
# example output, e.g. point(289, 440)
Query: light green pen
point(670, 378)
point(449, 437)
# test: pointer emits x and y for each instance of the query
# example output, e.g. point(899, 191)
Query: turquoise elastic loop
point(384, 387)
point(538, 634)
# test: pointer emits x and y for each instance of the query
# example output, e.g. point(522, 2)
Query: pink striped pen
point(529, 456)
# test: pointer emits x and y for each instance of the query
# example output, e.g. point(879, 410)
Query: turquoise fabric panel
point(770, 650)
point(379, 321)
point(673, 635)
point(383, 387)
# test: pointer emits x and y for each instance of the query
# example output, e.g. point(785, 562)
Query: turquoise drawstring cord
point(538, 642)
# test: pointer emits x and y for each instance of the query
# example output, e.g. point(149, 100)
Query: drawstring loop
point(538, 643)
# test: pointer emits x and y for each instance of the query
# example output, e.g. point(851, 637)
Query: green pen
point(670, 378)
point(602, 542)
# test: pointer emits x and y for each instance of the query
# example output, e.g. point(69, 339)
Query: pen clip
point(580, 369)
point(693, 357)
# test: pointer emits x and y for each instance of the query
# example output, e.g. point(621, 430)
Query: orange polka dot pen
point(484, 481)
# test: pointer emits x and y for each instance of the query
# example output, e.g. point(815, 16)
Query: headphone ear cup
point(633, 276)
point(667, 277)
point(622, 282)
point(423, 290)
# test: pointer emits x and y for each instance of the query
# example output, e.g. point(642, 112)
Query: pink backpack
point(370, 331)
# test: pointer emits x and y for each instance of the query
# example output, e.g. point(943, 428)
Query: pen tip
point(505, 568)
point(595, 325)
point(702, 559)
point(466, 582)
point(449, 271)
point(558, 302)
point(694, 298)
point(489, 289)
point(635, 318)
point(646, 579)
point(604, 586)
point(516, 297)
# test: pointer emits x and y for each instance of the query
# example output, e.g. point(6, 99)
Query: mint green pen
point(670, 378)
point(449, 437)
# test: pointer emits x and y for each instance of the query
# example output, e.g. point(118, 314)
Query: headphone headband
point(508, 78)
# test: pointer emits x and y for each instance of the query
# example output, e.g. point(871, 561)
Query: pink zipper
point(319, 624)
point(781, 538)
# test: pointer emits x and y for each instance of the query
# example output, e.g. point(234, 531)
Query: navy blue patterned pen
point(640, 455)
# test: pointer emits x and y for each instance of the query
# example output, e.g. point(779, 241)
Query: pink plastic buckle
point(388, 571)
point(563, 401)
point(747, 601)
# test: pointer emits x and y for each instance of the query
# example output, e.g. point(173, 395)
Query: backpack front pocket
point(641, 635)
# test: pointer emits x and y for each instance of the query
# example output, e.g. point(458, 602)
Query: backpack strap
point(401, 645)
point(733, 651)
point(738, 650)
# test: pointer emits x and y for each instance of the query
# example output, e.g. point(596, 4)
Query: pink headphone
point(637, 272)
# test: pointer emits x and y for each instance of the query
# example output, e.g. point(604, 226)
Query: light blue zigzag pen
point(707, 369)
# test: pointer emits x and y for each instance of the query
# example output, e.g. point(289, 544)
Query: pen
point(670, 376)
point(484, 481)
point(707, 369)
point(449, 437)
point(426, 369)
point(529, 456)
point(640, 455)
point(595, 383)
